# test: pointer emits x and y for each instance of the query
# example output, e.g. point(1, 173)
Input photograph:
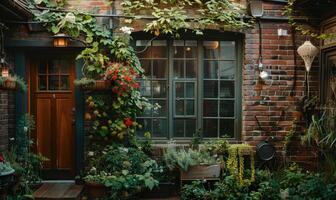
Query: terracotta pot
point(96, 190)
point(8, 85)
point(98, 85)
point(201, 172)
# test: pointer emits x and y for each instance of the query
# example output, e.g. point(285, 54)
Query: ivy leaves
point(172, 16)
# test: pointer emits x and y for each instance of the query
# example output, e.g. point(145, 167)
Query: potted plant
point(193, 164)
point(120, 172)
point(91, 84)
point(12, 83)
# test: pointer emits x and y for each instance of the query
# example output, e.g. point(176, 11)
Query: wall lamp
point(61, 40)
point(256, 8)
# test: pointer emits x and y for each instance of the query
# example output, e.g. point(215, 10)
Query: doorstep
point(59, 190)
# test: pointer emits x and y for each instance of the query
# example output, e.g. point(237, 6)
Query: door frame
point(325, 53)
point(22, 57)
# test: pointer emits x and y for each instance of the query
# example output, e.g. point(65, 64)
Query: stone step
point(59, 190)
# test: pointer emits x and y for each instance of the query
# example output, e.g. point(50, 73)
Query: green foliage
point(195, 191)
point(84, 82)
point(291, 12)
point(27, 165)
point(196, 139)
point(304, 185)
point(171, 17)
point(14, 78)
point(123, 170)
point(186, 158)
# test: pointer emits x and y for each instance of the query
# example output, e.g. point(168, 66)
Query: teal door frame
point(20, 50)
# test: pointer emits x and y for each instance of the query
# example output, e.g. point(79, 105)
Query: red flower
point(2, 158)
point(128, 78)
point(128, 122)
point(114, 77)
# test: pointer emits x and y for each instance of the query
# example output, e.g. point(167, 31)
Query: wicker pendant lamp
point(308, 52)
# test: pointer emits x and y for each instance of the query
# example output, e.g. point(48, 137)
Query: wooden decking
point(64, 191)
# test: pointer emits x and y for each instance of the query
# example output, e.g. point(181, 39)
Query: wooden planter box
point(9, 85)
point(96, 190)
point(98, 85)
point(201, 172)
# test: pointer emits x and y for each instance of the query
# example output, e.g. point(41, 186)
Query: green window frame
point(192, 96)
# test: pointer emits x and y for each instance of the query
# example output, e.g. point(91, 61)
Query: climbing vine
point(172, 16)
point(290, 13)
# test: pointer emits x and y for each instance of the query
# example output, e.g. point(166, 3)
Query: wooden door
point(52, 93)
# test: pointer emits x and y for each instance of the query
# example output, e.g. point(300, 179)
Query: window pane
point(160, 69)
point(64, 83)
point(191, 68)
point(228, 50)
point(159, 49)
point(145, 88)
point(53, 67)
point(210, 128)
point(143, 48)
point(160, 127)
point(190, 127)
point(146, 65)
point(227, 70)
point(210, 69)
point(190, 90)
point(191, 49)
point(42, 68)
point(178, 128)
point(161, 112)
point(227, 128)
point(190, 107)
point(179, 89)
point(211, 49)
point(210, 108)
point(159, 89)
point(227, 89)
point(146, 126)
point(53, 82)
point(178, 52)
point(210, 89)
point(42, 83)
point(179, 107)
point(63, 66)
point(227, 108)
point(178, 69)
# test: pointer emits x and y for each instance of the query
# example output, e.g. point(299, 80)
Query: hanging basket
point(9, 85)
point(97, 85)
point(308, 52)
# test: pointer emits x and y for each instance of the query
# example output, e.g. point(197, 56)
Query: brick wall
point(3, 120)
point(276, 105)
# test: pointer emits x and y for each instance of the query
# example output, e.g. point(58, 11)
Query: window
point(197, 85)
point(53, 75)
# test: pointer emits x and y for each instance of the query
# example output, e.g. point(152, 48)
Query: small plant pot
point(9, 85)
point(95, 190)
point(98, 85)
point(201, 172)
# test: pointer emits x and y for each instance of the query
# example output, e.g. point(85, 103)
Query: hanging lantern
point(308, 52)
point(4, 68)
point(61, 40)
point(256, 8)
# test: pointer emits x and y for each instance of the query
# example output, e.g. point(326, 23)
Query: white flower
point(11, 139)
point(127, 30)
point(25, 129)
point(90, 153)
point(70, 17)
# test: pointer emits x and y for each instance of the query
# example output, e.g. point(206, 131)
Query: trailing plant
point(235, 162)
point(170, 16)
point(19, 81)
